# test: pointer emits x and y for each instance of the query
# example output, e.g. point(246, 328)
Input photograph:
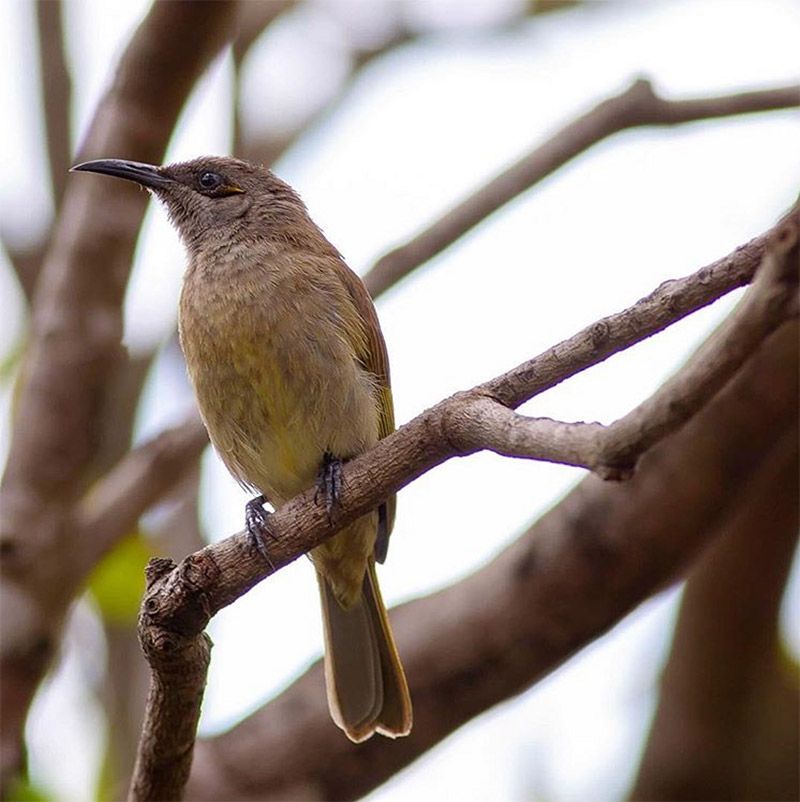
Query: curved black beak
point(148, 175)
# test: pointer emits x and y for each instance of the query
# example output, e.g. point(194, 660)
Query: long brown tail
point(367, 690)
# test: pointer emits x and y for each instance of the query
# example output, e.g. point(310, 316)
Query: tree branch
point(672, 301)
point(56, 91)
point(56, 88)
point(424, 442)
point(115, 505)
point(726, 725)
point(612, 451)
point(165, 751)
point(183, 598)
point(428, 440)
point(267, 148)
point(77, 319)
point(567, 580)
point(143, 476)
point(667, 304)
point(635, 107)
point(26, 263)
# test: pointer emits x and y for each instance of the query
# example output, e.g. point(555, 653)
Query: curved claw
point(257, 526)
point(329, 483)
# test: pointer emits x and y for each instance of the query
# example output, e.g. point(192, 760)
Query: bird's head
point(214, 198)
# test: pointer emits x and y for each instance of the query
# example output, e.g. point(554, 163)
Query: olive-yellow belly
point(276, 396)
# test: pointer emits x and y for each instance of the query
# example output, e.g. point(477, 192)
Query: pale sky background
point(420, 129)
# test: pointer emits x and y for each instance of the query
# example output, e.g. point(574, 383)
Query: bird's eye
point(209, 180)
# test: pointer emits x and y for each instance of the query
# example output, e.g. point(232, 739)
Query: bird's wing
point(370, 349)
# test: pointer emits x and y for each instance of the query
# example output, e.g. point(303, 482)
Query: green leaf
point(117, 583)
point(11, 360)
point(23, 790)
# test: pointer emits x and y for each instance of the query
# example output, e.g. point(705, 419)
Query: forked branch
point(181, 599)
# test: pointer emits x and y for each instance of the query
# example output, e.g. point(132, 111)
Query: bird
point(290, 370)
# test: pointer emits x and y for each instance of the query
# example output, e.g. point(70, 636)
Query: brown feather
point(370, 349)
point(289, 366)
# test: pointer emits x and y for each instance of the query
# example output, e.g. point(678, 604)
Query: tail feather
point(395, 717)
point(367, 690)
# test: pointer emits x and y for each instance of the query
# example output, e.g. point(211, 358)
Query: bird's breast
point(276, 379)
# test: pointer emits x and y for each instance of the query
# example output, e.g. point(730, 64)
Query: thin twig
point(671, 301)
point(637, 106)
point(254, 19)
point(56, 88)
point(25, 262)
point(612, 451)
point(266, 148)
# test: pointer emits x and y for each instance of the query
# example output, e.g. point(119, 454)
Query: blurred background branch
point(637, 106)
point(726, 725)
point(76, 344)
point(56, 85)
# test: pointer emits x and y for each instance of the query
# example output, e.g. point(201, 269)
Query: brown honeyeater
point(289, 365)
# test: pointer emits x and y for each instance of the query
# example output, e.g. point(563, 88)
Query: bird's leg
point(329, 483)
point(257, 525)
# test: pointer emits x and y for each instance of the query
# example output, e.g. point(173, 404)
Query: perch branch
point(164, 756)
point(231, 567)
point(669, 303)
point(585, 564)
point(183, 598)
point(672, 301)
point(637, 106)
